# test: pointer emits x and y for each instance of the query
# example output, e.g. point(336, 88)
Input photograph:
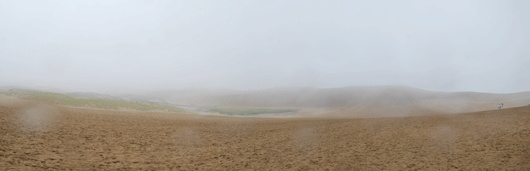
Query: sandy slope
point(39, 136)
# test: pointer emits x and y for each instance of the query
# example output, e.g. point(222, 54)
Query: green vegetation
point(246, 111)
point(93, 102)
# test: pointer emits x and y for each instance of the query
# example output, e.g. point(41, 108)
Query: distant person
point(499, 106)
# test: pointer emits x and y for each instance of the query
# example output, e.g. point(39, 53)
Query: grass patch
point(246, 111)
point(63, 99)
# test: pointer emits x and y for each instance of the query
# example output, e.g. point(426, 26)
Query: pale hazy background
point(112, 46)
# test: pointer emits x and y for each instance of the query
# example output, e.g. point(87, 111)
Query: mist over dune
point(354, 101)
point(265, 85)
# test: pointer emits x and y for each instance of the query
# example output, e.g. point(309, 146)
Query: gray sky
point(477, 45)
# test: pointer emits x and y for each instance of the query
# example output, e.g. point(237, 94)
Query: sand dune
point(87, 139)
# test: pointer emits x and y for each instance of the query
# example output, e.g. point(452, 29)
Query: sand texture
point(35, 136)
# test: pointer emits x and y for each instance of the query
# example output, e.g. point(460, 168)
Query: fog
point(109, 46)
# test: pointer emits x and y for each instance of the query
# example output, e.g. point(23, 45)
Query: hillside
point(344, 102)
point(375, 101)
point(91, 100)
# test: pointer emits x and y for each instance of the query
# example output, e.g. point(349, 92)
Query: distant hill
point(91, 95)
point(191, 96)
point(132, 97)
point(355, 101)
point(7, 88)
point(30, 88)
point(90, 100)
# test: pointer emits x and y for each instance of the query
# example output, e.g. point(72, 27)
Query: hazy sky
point(139, 45)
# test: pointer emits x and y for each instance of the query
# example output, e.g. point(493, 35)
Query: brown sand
point(38, 136)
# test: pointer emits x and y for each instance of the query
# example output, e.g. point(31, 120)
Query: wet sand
point(35, 136)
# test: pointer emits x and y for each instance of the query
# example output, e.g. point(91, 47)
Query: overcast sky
point(479, 45)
